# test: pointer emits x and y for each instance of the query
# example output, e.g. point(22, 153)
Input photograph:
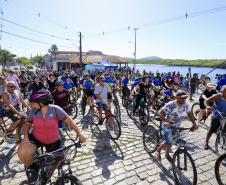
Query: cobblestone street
point(122, 162)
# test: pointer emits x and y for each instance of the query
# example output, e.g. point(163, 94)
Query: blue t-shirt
point(136, 82)
point(69, 85)
point(125, 81)
point(157, 82)
point(88, 84)
point(221, 83)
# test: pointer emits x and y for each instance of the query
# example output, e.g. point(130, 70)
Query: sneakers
point(206, 146)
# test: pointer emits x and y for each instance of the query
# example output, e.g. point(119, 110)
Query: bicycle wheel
point(144, 115)
point(220, 169)
point(113, 127)
point(184, 169)
point(83, 104)
point(73, 110)
point(1, 134)
point(68, 179)
point(219, 143)
point(195, 109)
point(117, 110)
point(72, 135)
point(94, 116)
point(129, 108)
point(151, 139)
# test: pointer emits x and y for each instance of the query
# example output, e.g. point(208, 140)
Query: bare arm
point(212, 99)
point(26, 129)
point(6, 101)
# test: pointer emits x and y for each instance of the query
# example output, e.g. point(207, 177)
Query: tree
point(23, 60)
point(5, 55)
point(52, 50)
point(38, 59)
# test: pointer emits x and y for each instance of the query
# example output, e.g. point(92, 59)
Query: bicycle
point(71, 109)
point(83, 103)
point(220, 142)
point(46, 165)
point(4, 125)
point(117, 110)
point(142, 111)
point(195, 110)
point(220, 169)
point(113, 126)
point(151, 141)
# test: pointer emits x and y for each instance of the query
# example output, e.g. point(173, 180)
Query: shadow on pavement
point(106, 152)
point(9, 167)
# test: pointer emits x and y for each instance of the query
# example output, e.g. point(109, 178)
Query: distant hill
point(128, 59)
point(151, 58)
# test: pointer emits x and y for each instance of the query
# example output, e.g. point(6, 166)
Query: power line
point(34, 30)
point(33, 40)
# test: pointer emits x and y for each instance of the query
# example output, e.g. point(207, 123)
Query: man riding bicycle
point(220, 102)
point(101, 92)
point(172, 114)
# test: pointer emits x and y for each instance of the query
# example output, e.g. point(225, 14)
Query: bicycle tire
point(94, 117)
point(72, 136)
point(150, 136)
point(218, 144)
point(142, 115)
point(73, 109)
point(217, 169)
point(83, 105)
point(195, 109)
point(2, 132)
point(129, 108)
point(115, 125)
point(176, 158)
point(68, 177)
point(117, 109)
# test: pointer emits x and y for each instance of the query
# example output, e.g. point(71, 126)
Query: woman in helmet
point(43, 120)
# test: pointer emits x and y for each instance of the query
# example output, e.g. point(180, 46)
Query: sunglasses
point(11, 86)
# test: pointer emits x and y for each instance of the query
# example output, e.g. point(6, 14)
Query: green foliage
point(53, 49)
point(5, 55)
point(23, 60)
point(180, 62)
point(38, 59)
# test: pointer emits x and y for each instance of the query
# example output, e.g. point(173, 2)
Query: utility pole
point(80, 49)
point(135, 47)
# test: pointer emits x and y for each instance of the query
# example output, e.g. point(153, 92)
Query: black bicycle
point(47, 163)
point(83, 103)
point(183, 165)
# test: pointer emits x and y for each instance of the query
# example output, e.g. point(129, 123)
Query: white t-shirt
point(102, 92)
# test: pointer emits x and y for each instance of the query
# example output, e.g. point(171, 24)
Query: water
point(182, 69)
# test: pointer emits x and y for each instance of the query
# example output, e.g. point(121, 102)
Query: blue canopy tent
point(109, 66)
point(94, 67)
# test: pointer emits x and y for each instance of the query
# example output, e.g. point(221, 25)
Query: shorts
point(214, 125)
point(89, 92)
point(49, 147)
point(167, 135)
point(102, 106)
point(192, 90)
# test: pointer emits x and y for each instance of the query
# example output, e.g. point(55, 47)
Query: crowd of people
point(45, 95)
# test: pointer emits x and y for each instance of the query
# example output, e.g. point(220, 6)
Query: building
point(61, 60)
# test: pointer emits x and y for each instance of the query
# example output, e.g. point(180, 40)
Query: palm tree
point(52, 50)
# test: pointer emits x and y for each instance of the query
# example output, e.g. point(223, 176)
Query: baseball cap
point(181, 94)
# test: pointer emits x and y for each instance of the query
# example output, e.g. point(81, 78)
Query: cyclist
point(69, 84)
point(220, 102)
point(172, 114)
point(36, 85)
point(221, 82)
point(88, 86)
point(193, 84)
point(141, 91)
point(23, 82)
point(60, 95)
point(51, 82)
point(43, 120)
point(12, 99)
point(124, 84)
point(208, 92)
point(13, 77)
point(101, 91)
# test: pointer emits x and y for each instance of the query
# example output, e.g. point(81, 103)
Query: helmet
point(59, 83)
point(41, 96)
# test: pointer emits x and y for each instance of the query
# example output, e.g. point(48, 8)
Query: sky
point(108, 26)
